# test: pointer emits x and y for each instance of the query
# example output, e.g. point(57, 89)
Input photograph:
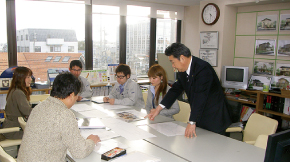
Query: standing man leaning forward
point(75, 68)
point(52, 128)
point(202, 87)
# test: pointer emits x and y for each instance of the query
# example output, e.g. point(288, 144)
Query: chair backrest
point(145, 94)
point(184, 113)
point(22, 122)
point(257, 125)
point(4, 157)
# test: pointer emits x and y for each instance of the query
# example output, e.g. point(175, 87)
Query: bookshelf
point(259, 104)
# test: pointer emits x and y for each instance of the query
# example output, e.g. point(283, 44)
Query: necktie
point(121, 89)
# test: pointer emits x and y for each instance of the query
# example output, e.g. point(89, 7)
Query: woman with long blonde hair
point(17, 100)
point(157, 91)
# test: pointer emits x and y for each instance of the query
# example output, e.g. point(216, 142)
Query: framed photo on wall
point(267, 22)
point(209, 55)
point(209, 39)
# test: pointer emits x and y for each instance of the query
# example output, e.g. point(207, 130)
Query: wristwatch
point(191, 122)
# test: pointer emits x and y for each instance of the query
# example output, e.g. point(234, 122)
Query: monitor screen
point(278, 147)
point(235, 75)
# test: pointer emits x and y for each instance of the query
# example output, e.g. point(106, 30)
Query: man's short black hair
point(64, 84)
point(123, 68)
point(75, 63)
point(177, 49)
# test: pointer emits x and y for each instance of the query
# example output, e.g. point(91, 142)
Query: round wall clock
point(210, 14)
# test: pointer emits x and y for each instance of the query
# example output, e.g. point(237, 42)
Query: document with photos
point(168, 128)
point(107, 145)
point(130, 115)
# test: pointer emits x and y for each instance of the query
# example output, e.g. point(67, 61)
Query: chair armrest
point(262, 141)
point(250, 142)
point(9, 130)
point(234, 129)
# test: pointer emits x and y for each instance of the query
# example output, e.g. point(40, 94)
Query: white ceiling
point(230, 2)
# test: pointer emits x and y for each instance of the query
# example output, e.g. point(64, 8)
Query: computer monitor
point(235, 77)
point(278, 147)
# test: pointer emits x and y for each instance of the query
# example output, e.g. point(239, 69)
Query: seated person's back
point(52, 128)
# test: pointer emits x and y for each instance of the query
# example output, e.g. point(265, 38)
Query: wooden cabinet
point(260, 101)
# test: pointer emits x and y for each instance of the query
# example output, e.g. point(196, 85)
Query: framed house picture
point(209, 55)
point(267, 22)
point(209, 39)
point(285, 22)
point(265, 47)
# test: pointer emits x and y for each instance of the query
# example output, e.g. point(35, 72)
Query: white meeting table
point(207, 146)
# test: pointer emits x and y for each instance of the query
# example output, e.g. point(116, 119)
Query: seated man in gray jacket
point(75, 68)
point(125, 91)
point(52, 129)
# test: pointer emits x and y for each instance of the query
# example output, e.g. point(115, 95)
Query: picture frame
point(283, 48)
point(267, 22)
point(265, 47)
point(209, 55)
point(263, 68)
point(209, 39)
point(283, 22)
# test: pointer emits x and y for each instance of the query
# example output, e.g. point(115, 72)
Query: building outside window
point(57, 58)
point(138, 38)
point(51, 35)
point(48, 59)
point(3, 38)
point(106, 23)
point(71, 49)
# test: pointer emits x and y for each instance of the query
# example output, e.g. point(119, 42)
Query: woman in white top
point(158, 79)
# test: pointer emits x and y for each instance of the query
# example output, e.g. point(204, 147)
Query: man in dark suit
point(203, 89)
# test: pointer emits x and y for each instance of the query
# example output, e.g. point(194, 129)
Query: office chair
point(9, 142)
point(22, 122)
point(4, 157)
point(262, 141)
point(257, 125)
point(184, 113)
point(145, 94)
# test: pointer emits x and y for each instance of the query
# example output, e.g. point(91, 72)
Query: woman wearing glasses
point(17, 101)
point(125, 91)
point(157, 91)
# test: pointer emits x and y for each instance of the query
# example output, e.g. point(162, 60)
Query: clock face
point(210, 14)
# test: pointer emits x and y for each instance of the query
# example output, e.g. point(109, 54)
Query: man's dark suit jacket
point(205, 95)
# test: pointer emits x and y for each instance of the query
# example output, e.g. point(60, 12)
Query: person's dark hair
point(18, 81)
point(177, 49)
point(123, 68)
point(75, 63)
point(157, 70)
point(64, 84)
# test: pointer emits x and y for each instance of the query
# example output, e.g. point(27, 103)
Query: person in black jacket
point(203, 89)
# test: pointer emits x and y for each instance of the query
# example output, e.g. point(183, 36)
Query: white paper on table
point(107, 145)
point(131, 115)
point(113, 107)
point(93, 114)
point(133, 156)
point(126, 130)
point(98, 99)
point(81, 107)
point(168, 128)
point(102, 133)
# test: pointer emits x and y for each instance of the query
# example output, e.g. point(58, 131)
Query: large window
point(166, 30)
point(106, 22)
point(3, 38)
point(46, 28)
point(138, 39)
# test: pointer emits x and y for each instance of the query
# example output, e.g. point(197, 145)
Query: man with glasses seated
point(125, 91)
point(75, 68)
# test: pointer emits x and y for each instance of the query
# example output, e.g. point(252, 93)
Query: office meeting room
point(145, 80)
